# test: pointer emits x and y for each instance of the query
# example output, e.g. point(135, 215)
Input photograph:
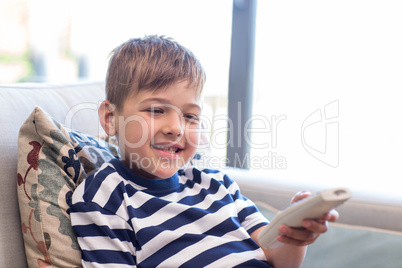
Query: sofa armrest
point(363, 209)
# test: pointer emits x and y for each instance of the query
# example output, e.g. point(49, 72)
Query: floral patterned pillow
point(52, 161)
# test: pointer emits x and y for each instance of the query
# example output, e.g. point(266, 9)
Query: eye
point(191, 117)
point(155, 111)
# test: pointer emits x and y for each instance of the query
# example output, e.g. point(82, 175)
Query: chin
point(164, 174)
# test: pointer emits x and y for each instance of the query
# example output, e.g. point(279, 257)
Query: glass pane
point(57, 41)
point(327, 78)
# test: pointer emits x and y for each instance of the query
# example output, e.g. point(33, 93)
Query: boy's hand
point(311, 230)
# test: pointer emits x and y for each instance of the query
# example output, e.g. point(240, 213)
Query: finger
point(332, 215)
point(295, 242)
point(299, 196)
point(299, 234)
point(319, 226)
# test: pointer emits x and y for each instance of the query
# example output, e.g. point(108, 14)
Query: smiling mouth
point(167, 149)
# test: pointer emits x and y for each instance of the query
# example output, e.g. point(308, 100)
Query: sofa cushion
point(77, 102)
point(52, 161)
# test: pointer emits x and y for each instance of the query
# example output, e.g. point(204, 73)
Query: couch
point(368, 234)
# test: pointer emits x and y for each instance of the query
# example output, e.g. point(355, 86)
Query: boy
point(145, 209)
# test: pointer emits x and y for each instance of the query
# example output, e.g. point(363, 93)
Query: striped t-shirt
point(193, 219)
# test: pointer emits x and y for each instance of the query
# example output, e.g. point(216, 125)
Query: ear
point(107, 117)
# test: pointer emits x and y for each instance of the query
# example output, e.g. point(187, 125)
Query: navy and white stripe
point(193, 219)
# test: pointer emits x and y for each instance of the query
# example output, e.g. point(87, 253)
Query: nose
point(173, 125)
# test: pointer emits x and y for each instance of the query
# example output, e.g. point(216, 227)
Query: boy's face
point(158, 132)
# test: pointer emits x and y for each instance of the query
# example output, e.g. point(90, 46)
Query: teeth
point(166, 149)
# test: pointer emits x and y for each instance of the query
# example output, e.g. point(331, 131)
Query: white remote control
point(312, 207)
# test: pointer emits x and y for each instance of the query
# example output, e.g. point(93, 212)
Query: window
point(55, 41)
point(326, 91)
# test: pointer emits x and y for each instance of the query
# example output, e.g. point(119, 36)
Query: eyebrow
point(167, 101)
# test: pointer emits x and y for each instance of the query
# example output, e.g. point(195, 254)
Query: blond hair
point(151, 63)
